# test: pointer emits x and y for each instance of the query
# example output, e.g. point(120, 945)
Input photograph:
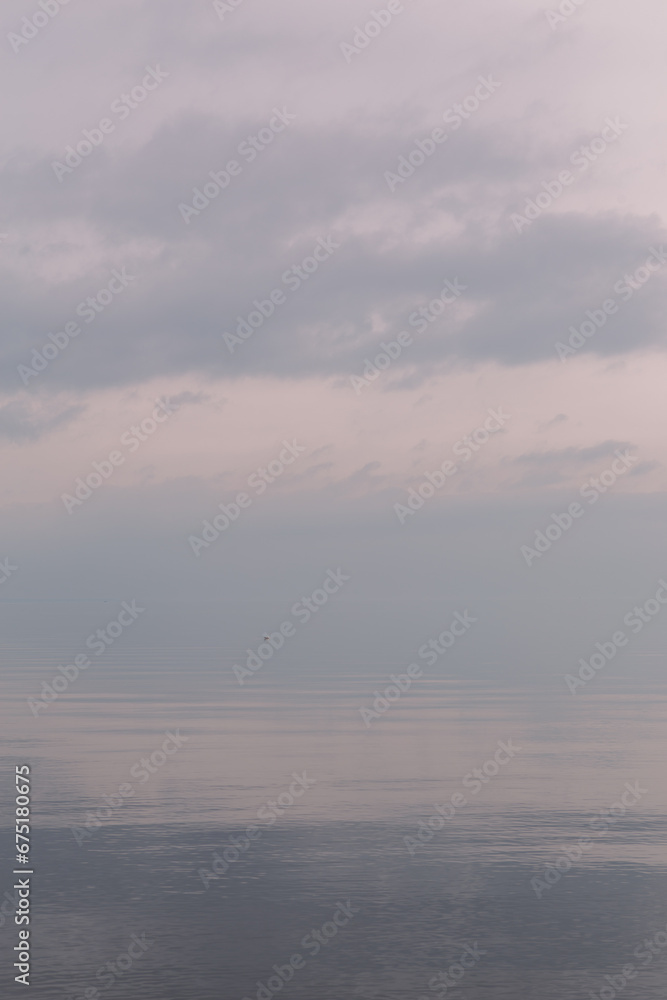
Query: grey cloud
point(311, 472)
point(188, 398)
point(365, 476)
point(523, 294)
point(548, 469)
point(644, 468)
point(572, 455)
point(316, 178)
point(20, 424)
point(558, 419)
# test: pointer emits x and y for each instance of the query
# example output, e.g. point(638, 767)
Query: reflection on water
point(196, 839)
point(414, 915)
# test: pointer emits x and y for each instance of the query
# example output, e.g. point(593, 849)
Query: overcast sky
point(497, 166)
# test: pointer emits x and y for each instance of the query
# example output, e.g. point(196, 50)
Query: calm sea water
point(213, 916)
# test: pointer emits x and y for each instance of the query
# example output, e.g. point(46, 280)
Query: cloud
point(325, 174)
point(20, 423)
point(188, 398)
point(558, 419)
point(573, 455)
point(562, 466)
point(644, 468)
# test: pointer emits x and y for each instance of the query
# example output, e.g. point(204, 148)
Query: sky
point(499, 167)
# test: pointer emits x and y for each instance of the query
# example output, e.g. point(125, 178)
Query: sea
point(326, 829)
